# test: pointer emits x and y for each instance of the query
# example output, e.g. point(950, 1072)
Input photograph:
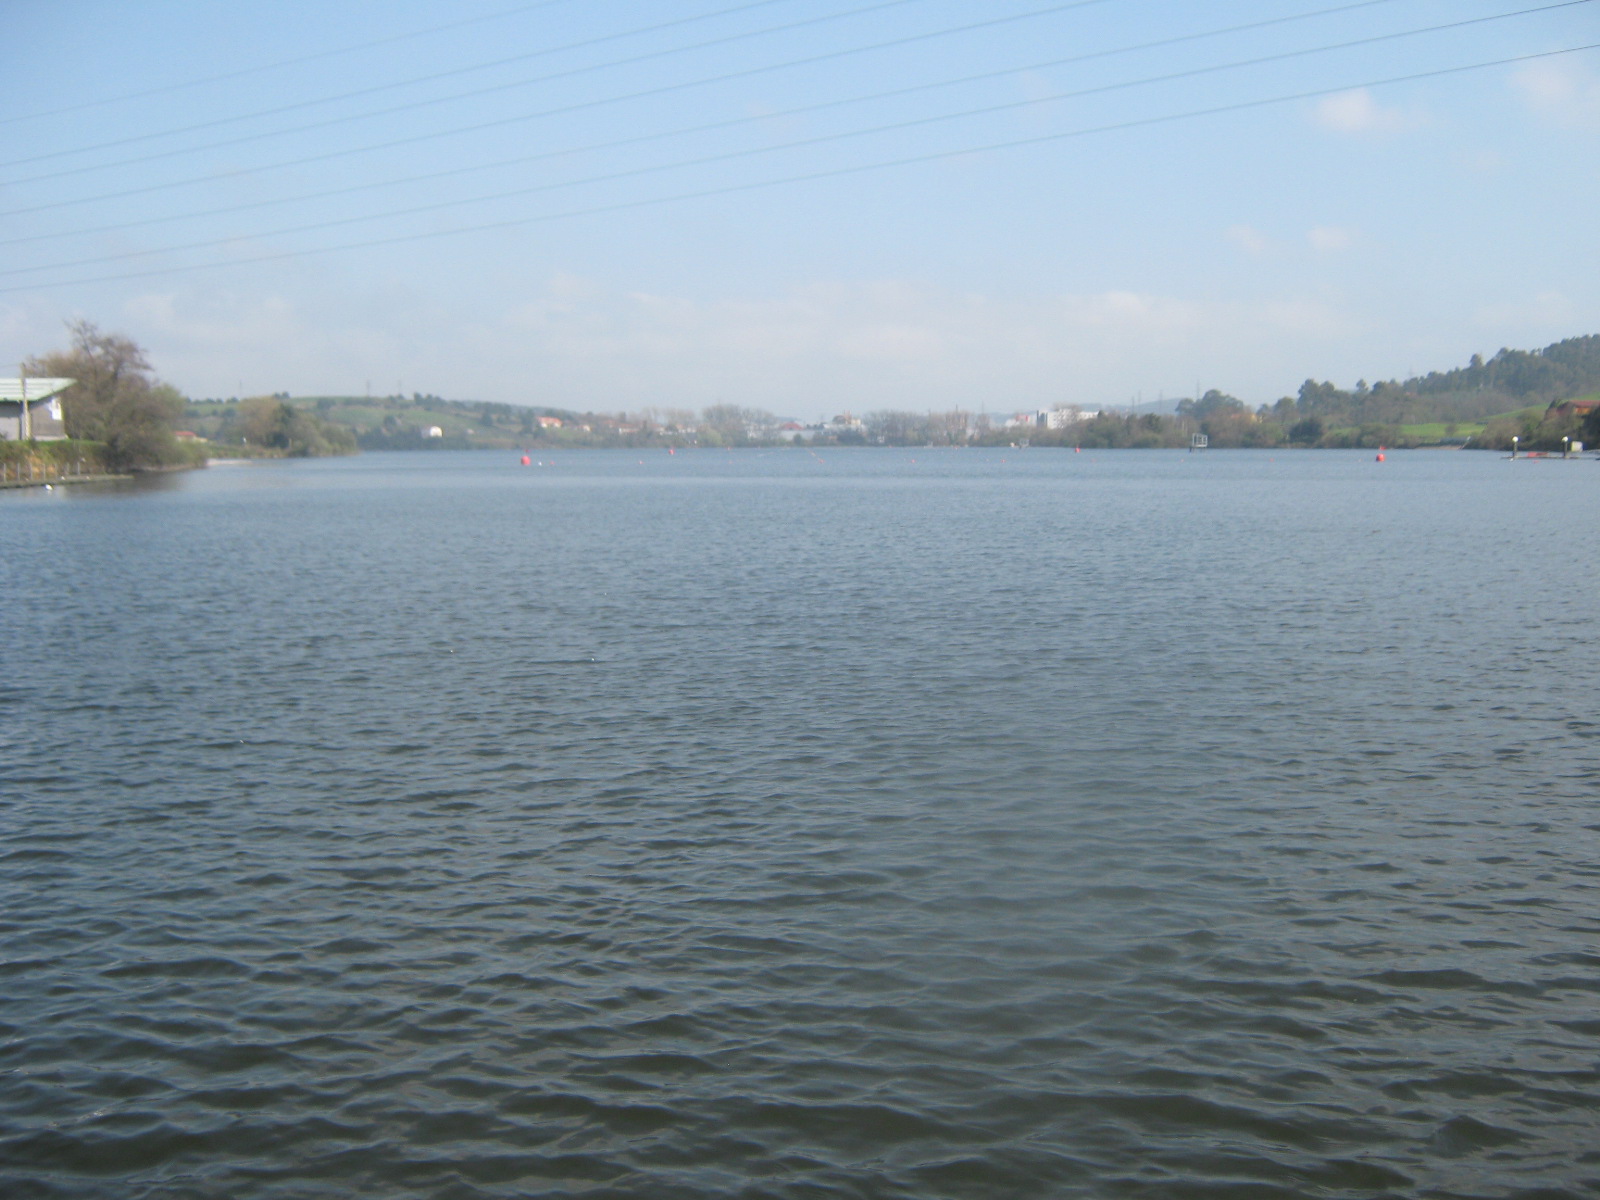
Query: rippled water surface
point(881, 824)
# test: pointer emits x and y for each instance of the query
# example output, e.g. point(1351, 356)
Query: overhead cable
point(500, 122)
point(802, 110)
point(802, 143)
point(432, 101)
point(205, 80)
point(812, 176)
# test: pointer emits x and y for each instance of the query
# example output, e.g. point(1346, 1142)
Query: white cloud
point(21, 327)
point(1330, 239)
point(1543, 312)
point(217, 343)
point(1252, 241)
point(895, 344)
point(1482, 160)
point(1313, 321)
point(230, 322)
point(575, 342)
point(1561, 91)
point(1356, 112)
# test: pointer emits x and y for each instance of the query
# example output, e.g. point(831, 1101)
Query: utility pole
point(26, 426)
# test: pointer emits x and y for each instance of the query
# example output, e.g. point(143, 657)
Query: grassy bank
point(23, 464)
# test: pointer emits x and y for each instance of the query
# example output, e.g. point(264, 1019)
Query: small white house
point(433, 431)
point(31, 408)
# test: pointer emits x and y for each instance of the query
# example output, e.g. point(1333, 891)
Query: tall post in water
point(1513, 445)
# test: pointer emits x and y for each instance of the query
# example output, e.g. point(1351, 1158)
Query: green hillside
point(1482, 405)
point(407, 423)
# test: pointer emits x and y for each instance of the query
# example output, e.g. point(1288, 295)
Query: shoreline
point(104, 477)
point(15, 484)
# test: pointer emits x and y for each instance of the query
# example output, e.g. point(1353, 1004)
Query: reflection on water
point(883, 823)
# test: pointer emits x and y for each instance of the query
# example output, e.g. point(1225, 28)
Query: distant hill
point(1483, 403)
point(1512, 379)
point(400, 422)
point(1561, 369)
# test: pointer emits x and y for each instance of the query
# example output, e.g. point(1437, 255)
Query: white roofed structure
point(30, 407)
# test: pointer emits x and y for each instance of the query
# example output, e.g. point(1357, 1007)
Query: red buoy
point(1380, 456)
point(526, 460)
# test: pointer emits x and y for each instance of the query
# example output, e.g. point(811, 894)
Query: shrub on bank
point(56, 457)
point(1533, 432)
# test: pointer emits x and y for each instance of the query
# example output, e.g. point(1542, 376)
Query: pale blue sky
point(1369, 229)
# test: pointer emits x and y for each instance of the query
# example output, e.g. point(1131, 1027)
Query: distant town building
point(1059, 417)
point(1580, 406)
point(433, 431)
point(31, 408)
point(1063, 415)
point(549, 422)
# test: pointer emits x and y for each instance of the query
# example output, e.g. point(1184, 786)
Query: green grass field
point(1442, 431)
point(1518, 414)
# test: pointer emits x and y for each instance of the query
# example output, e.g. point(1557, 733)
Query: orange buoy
point(1380, 456)
point(526, 460)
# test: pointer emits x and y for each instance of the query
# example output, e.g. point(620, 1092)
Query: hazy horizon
point(465, 201)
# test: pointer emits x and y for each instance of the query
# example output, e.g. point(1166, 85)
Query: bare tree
point(116, 400)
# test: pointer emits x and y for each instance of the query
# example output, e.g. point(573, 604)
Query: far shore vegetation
point(1536, 396)
point(120, 418)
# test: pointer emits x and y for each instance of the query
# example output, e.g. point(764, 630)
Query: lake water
point(861, 823)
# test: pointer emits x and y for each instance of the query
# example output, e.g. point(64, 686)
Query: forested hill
point(1566, 368)
point(1484, 404)
point(385, 422)
point(1512, 379)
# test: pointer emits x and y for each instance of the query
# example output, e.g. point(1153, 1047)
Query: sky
point(805, 206)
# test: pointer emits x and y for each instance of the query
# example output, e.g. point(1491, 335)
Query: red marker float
point(526, 460)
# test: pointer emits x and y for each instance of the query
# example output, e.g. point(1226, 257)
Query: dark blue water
point(878, 824)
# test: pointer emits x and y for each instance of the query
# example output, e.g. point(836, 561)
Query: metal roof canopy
point(39, 388)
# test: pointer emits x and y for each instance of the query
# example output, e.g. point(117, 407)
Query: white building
point(31, 408)
point(1061, 416)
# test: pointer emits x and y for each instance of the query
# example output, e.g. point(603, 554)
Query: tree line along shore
point(120, 418)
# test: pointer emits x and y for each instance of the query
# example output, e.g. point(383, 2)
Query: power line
point(415, 104)
point(1159, 43)
point(829, 173)
point(733, 155)
point(500, 122)
point(185, 84)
